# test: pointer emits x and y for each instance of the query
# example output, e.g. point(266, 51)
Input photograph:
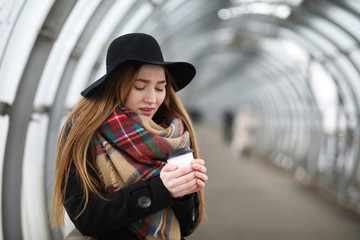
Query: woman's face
point(148, 91)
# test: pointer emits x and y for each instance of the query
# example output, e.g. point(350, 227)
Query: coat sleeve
point(116, 209)
point(186, 210)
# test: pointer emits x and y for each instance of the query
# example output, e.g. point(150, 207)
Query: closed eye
point(139, 88)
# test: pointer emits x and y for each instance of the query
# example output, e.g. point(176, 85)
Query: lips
point(146, 111)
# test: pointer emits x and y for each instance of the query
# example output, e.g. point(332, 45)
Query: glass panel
point(134, 22)
point(346, 20)
point(353, 4)
point(333, 32)
point(4, 125)
point(17, 51)
point(355, 56)
point(172, 5)
point(345, 89)
point(95, 46)
point(351, 73)
point(302, 41)
point(9, 13)
point(62, 49)
point(325, 92)
point(34, 212)
point(318, 41)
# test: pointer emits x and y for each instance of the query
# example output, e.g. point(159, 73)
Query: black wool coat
point(108, 218)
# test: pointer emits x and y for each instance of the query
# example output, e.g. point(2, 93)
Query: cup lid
point(179, 152)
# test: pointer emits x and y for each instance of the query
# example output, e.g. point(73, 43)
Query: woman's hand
point(198, 166)
point(184, 180)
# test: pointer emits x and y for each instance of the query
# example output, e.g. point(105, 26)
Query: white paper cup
point(181, 157)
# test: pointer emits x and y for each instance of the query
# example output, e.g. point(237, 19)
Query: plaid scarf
point(130, 147)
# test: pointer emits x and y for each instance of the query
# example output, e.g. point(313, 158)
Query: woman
point(112, 176)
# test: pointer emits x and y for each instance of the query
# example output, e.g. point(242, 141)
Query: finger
point(169, 167)
point(199, 168)
point(186, 188)
point(186, 178)
point(201, 176)
point(198, 161)
point(183, 171)
point(200, 184)
point(172, 182)
point(180, 182)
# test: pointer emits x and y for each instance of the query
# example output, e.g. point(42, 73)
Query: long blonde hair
point(85, 118)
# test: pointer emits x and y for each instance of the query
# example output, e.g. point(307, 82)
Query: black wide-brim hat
point(139, 49)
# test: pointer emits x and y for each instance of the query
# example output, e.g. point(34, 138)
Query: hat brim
point(182, 72)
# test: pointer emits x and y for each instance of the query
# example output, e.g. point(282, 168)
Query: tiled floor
point(248, 200)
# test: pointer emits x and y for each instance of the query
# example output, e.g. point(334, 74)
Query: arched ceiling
point(248, 53)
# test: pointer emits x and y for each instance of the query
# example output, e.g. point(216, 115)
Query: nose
point(150, 96)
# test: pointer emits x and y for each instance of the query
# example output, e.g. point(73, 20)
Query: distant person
point(111, 175)
point(228, 120)
point(195, 115)
point(244, 127)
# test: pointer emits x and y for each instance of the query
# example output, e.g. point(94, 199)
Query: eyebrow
point(147, 81)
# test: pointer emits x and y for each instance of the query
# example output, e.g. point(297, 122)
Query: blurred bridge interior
point(276, 102)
